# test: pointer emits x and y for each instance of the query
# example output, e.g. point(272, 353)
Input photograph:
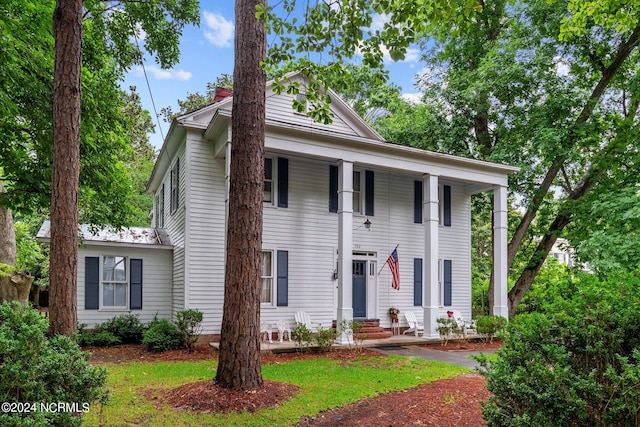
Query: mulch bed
point(452, 402)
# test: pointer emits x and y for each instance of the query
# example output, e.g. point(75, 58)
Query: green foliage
point(195, 101)
point(577, 363)
point(340, 33)
point(189, 326)
point(126, 327)
point(26, 94)
point(324, 338)
point(36, 368)
point(301, 335)
point(490, 326)
point(97, 339)
point(161, 335)
point(449, 328)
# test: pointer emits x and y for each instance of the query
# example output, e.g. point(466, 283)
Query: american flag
point(395, 270)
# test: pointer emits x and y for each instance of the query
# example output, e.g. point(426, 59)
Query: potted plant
point(393, 312)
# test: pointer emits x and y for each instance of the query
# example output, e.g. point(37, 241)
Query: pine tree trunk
point(67, 31)
point(7, 248)
point(239, 360)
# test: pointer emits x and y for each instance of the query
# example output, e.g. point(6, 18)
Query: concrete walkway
point(455, 357)
point(401, 345)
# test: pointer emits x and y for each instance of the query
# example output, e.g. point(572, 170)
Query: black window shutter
point(446, 210)
point(171, 192)
point(447, 281)
point(283, 182)
point(177, 183)
point(91, 283)
point(368, 193)
point(333, 188)
point(135, 284)
point(417, 202)
point(283, 279)
point(417, 281)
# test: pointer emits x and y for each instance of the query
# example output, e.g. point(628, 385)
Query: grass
point(325, 384)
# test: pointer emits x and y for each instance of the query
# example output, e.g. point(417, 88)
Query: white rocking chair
point(414, 326)
point(302, 317)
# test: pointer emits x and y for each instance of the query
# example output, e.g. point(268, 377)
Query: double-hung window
point(114, 281)
point(276, 181)
point(267, 278)
point(175, 186)
point(357, 194)
point(268, 180)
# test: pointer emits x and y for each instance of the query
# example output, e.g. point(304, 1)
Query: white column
point(430, 285)
point(345, 247)
point(500, 270)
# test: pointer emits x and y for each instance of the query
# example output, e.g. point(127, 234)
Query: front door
point(359, 289)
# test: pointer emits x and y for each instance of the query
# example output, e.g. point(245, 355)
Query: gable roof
point(279, 112)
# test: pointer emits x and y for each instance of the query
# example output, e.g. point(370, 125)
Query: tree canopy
point(26, 77)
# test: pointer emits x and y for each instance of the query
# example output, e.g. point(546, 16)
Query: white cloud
point(378, 21)
point(219, 30)
point(413, 98)
point(411, 55)
point(161, 74)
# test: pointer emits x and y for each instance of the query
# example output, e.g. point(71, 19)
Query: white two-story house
point(338, 199)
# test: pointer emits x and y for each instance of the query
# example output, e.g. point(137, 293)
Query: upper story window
point(160, 208)
point(363, 191)
point(268, 180)
point(175, 186)
point(357, 195)
point(445, 205)
point(276, 181)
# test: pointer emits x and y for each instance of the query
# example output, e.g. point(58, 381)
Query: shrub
point(324, 338)
point(98, 339)
point(489, 326)
point(126, 327)
point(576, 364)
point(188, 323)
point(448, 328)
point(353, 328)
point(36, 368)
point(301, 335)
point(161, 335)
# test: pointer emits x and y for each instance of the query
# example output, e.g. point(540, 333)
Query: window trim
point(271, 302)
point(175, 187)
point(126, 282)
point(274, 181)
point(358, 208)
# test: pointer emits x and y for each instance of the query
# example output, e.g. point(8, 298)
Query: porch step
point(382, 334)
point(370, 330)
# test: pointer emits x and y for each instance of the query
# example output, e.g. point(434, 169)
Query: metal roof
point(132, 235)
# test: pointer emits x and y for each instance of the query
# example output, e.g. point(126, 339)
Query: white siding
point(279, 108)
point(174, 223)
point(309, 232)
point(156, 283)
point(206, 231)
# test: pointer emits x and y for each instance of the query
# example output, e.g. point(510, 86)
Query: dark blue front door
point(359, 289)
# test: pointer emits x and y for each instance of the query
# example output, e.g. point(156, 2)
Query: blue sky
point(207, 52)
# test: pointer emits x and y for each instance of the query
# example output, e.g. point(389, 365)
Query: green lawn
point(325, 384)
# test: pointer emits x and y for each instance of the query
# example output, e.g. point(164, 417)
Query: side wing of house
point(115, 280)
